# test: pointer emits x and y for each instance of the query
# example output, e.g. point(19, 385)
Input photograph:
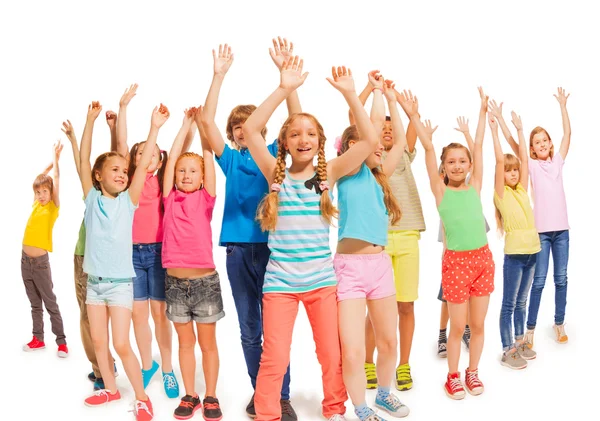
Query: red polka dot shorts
point(467, 274)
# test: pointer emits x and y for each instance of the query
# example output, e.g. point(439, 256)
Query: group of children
point(145, 245)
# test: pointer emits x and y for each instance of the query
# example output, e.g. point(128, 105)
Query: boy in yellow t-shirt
point(35, 265)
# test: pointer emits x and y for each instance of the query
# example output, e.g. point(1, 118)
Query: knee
point(353, 356)
point(139, 318)
point(159, 317)
point(406, 309)
point(387, 346)
point(476, 328)
point(187, 343)
point(122, 348)
point(457, 329)
point(208, 345)
point(560, 279)
point(251, 334)
point(99, 344)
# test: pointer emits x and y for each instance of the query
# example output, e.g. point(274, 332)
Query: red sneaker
point(101, 397)
point(143, 410)
point(34, 345)
point(453, 387)
point(63, 351)
point(474, 385)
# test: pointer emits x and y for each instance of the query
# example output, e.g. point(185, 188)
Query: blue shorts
point(110, 292)
point(149, 281)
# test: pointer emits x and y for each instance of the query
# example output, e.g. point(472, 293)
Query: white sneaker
point(336, 417)
point(561, 336)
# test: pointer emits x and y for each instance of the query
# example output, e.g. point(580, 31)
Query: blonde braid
point(267, 210)
point(328, 211)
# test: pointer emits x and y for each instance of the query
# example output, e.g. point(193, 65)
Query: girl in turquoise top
point(468, 267)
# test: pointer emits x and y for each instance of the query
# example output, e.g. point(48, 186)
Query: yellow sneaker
point(561, 336)
point(403, 379)
point(371, 374)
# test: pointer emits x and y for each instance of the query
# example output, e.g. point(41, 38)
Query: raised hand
point(159, 116)
point(408, 102)
point(562, 97)
point(389, 90)
point(281, 50)
point(516, 120)
point(94, 110)
point(111, 119)
point(493, 122)
point(291, 73)
point(128, 95)
point(57, 148)
point(463, 125)
point(198, 116)
point(495, 109)
point(484, 98)
point(223, 60)
point(376, 80)
point(342, 80)
point(428, 129)
point(67, 129)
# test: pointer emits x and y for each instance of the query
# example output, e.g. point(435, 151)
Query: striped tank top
point(300, 255)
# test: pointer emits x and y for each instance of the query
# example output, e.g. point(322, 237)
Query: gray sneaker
point(526, 352)
point(512, 359)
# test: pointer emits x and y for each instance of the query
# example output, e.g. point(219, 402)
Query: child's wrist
point(377, 89)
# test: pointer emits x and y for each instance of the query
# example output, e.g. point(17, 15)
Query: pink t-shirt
point(187, 240)
point(148, 218)
point(549, 203)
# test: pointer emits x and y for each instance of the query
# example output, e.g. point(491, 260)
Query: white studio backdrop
point(59, 56)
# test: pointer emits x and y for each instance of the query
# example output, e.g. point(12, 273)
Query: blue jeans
point(518, 275)
point(149, 281)
point(558, 242)
point(246, 266)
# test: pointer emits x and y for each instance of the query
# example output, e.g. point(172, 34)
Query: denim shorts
point(149, 281)
point(110, 292)
point(197, 299)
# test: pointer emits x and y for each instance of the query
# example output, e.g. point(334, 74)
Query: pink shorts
point(367, 276)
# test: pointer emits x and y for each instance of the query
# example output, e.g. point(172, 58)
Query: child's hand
point(94, 110)
point(189, 114)
point(484, 98)
point(428, 129)
point(375, 80)
point(463, 125)
point(198, 117)
point(562, 97)
point(291, 73)
point(342, 80)
point(128, 95)
point(67, 129)
point(495, 109)
point(111, 119)
point(516, 120)
point(408, 102)
point(159, 116)
point(222, 60)
point(389, 91)
point(58, 147)
point(493, 122)
point(281, 51)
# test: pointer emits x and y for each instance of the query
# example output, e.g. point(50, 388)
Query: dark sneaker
point(466, 338)
point(287, 412)
point(250, 409)
point(442, 351)
point(187, 407)
point(92, 376)
point(212, 409)
point(99, 383)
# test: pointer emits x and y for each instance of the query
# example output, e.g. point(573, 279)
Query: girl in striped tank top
point(297, 213)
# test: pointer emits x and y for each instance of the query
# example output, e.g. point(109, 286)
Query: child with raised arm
point(110, 206)
point(363, 269)
point(468, 266)
point(35, 262)
point(297, 213)
point(522, 244)
point(550, 214)
point(193, 290)
point(246, 245)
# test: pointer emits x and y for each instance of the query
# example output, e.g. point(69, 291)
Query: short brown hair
point(43, 180)
point(535, 131)
point(239, 115)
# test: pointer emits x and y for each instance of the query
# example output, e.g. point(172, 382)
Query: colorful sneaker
point(143, 410)
point(442, 352)
point(513, 359)
point(92, 376)
point(148, 374)
point(526, 352)
point(340, 417)
point(472, 382)
point(187, 407)
point(63, 351)
point(561, 336)
point(371, 373)
point(170, 384)
point(102, 397)
point(528, 338)
point(250, 409)
point(34, 345)
point(392, 405)
point(212, 409)
point(403, 379)
point(454, 387)
point(287, 411)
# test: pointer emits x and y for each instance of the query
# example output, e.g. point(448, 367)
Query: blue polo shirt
point(245, 187)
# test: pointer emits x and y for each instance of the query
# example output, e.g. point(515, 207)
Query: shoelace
point(170, 381)
point(186, 404)
point(338, 417)
point(210, 405)
point(101, 392)
point(141, 406)
point(286, 408)
point(456, 384)
point(441, 346)
point(393, 401)
point(561, 330)
point(473, 379)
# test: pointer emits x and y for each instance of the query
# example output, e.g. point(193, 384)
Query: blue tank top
point(363, 215)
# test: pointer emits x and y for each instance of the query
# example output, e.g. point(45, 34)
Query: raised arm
point(499, 172)
point(111, 120)
point(176, 151)
point(496, 111)
point(48, 168)
point(566, 140)
point(523, 150)
point(364, 95)
point(477, 176)
point(291, 79)
point(395, 154)
point(85, 173)
point(282, 50)
point(222, 62)
point(58, 147)
point(463, 127)
point(368, 137)
point(378, 107)
point(67, 129)
point(411, 131)
point(122, 120)
point(210, 178)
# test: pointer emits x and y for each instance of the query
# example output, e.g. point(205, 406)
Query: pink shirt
point(148, 218)
point(187, 241)
point(549, 203)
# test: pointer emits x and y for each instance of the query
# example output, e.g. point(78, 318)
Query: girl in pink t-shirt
point(193, 290)
point(550, 213)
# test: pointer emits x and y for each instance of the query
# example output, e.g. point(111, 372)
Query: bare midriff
point(354, 246)
point(190, 273)
point(32, 251)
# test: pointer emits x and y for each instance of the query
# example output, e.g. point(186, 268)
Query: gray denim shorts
point(194, 299)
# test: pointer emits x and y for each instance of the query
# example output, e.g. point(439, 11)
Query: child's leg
point(444, 316)
point(369, 340)
point(42, 277)
point(321, 308)
point(560, 257)
point(513, 276)
point(478, 310)
point(158, 307)
point(539, 279)
point(141, 329)
point(524, 287)
point(207, 339)
point(353, 350)
point(98, 318)
point(37, 309)
point(458, 319)
point(383, 314)
point(187, 359)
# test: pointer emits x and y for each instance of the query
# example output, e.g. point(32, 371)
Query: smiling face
point(155, 162)
point(387, 138)
point(457, 164)
point(189, 173)
point(110, 175)
point(540, 144)
point(302, 139)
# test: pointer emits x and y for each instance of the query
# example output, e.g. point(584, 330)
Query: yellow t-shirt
point(38, 232)
point(519, 225)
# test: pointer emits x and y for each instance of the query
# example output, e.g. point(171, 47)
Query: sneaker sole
point(27, 349)
point(393, 414)
point(443, 354)
point(404, 387)
point(251, 416)
point(212, 419)
point(371, 386)
point(454, 397)
point(475, 392)
point(528, 358)
point(178, 417)
point(513, 367)
point(91, 405)
point(62, 354)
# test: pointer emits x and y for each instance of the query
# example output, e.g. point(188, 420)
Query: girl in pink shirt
point(193, 290)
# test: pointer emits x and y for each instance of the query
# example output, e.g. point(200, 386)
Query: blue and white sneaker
point(171, 385)
point(392, 405)
point(148, 374)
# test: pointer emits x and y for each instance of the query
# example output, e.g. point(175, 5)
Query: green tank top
point(462, 215)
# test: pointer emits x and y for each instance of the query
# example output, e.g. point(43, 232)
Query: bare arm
point(499, 173)
point(122, 147)
point(282, 50)
point(477, 177)
point(175, 152)
point(378, 107)
point(463, 127)
point(566, 140)
point(111, 121)
point(395, 155)
point(496, 111)
point(48, 168)
point(210, 178)
point(70, 133)
point(364, 95)
point(411, 131)
point(523, 152)
point(85, 174)
point(58, 147)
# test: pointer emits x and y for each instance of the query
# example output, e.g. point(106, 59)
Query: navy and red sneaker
point(187, 407)
point(212, 409)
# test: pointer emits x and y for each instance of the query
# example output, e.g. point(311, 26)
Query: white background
point(59, 56)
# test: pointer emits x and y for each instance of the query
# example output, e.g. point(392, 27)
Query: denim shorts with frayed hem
point(110, 292)
point(197, 299)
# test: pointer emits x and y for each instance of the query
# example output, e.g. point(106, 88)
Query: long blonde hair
point(266, 214)
point(510, 162)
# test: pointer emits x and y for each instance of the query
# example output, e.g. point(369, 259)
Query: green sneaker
point(371, 374)
point(404, 380)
